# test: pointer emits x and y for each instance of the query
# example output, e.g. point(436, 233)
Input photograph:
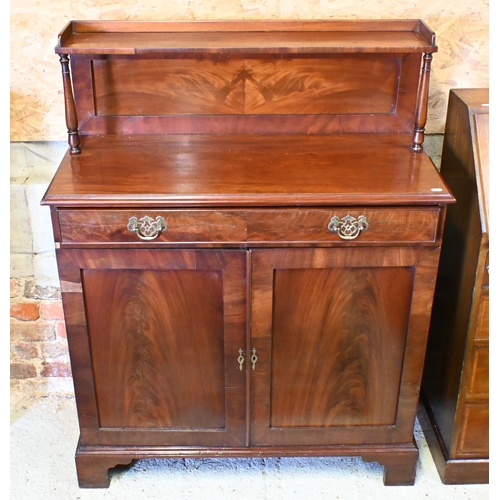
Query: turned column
point(69, 107)
point(422, 104)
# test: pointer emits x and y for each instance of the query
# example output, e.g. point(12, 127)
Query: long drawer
point(253, 226)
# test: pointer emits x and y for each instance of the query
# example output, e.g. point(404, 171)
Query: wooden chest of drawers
point(455, 390)
point(247, 236)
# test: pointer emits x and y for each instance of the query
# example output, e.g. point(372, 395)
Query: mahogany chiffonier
point(455, 390)
point(247, 232)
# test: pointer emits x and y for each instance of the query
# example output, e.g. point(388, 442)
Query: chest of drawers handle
point(348, 228)
point(146, 227)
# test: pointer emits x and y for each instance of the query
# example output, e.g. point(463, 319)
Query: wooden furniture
point(247, 235)
point(455, 390)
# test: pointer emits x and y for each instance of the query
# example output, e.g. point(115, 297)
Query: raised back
point(245, 77)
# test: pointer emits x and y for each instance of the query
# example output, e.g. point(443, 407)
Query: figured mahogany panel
point(296, 226)
point(157, 342)
point(340, 335)
point(339, 86)
point(164, 86)
point(154, 339)
point(337, 345)
point(343, 85)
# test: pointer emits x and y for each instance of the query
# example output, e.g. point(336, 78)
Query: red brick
point(16, 288)
point(31, 330)
point(23, 350)
point(25, 311)
point(53, 349)
point(22, 370)
point(61, 329)
point(52, 310)
point(56, 369)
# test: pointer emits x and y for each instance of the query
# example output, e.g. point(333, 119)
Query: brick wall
point(39, 349)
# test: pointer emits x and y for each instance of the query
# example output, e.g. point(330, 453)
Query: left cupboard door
point(154, 339)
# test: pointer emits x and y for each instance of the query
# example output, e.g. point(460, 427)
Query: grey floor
point(44, 432)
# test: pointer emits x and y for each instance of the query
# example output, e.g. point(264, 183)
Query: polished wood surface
point(358, 313)
point(243, 77)
point(455, 388)
point(161, 334)
point(334, 324)
point(246, 326)
point(252, 227)
point(69, 107)
point(247, 170)
point(264, 37)
point(248, 86)
point(138, 329)
point(260, 98)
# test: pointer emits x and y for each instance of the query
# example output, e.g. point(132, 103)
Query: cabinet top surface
point(246, 170)
point(233, 37)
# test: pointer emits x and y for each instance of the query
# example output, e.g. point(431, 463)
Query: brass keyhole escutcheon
point(241, 359)
point(254, 358)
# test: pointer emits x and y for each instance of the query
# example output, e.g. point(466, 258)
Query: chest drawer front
point(345, 224)
point(114, 226)
point(253, 226)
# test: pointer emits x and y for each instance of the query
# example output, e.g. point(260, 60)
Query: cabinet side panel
point(337, 345)
point(157, 346)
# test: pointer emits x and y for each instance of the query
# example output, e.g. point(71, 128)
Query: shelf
point(243, 37)
point(247, 170)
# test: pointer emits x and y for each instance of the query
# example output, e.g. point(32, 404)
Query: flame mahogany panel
point(154, 338)
point(345, 331)
point(343, 85)
point(155, 364)
point(340, 93)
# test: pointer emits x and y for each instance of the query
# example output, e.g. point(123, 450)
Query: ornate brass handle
point(146, 227)
point(349, 228)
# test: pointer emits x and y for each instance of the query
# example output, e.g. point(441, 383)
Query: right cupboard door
point(339, 335)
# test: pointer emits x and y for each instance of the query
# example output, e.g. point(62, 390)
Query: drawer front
point(482, 331)
point(478, 384)
point(474, 434)
point(383, 225)
point(112, 226)
point(320, 226)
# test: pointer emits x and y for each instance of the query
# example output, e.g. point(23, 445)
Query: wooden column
point(422, 104)
point(69, 106)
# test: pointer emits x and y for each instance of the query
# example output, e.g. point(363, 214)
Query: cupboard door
point(340, 337)
point(154, 337)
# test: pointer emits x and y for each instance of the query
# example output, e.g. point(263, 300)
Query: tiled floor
point(44, 433)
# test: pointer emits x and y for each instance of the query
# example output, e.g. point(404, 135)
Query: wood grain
point(127, 333)
point(264, 37)
point(143, 339)
point(247, 170)
point(455, 388)
point(251, 227)
point(337, 345)
point(338, 323)
point(345, 85)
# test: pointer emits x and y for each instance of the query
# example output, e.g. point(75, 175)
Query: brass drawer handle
point(349, 228)
point(146, 227)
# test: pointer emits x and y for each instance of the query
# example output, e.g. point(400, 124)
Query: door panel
point(331, 328)
point(163, 329)
point(337, 345)
point(157, 344)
